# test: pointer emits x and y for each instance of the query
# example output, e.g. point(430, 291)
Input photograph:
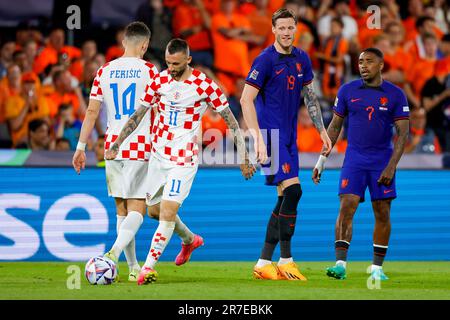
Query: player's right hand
point(112, 152)
point(247, 169)
point(79, 160)
point(318, 169)
point(261, 151)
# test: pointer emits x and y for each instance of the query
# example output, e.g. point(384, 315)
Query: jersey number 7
point(127, 108)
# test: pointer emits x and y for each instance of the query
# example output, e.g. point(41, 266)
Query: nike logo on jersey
point(354, 100)
point(279, 71)
point(173, 194)
point(387, 191)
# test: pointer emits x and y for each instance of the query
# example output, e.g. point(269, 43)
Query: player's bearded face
point(284, 31)
point(177, 63)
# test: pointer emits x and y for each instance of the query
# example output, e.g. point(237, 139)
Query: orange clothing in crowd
point(333, 73)
point(55, 99)
point(366, 36)
point(301, 29)
point(308, 140)
point(230, 55)
point(14, 106)
point(274, 5)
point(5, 92)
point(411, 34)
point(76, 69)
point(187, 16)
point(213, 6)
point(247, 8)
point(409, 24)
point(400, 60)
point(420, 72)
point(114, 52)
point(171, 3)
point(49, 56)
point(261, 25)
point(213, 121)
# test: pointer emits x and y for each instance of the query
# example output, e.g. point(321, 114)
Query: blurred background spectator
point(44, 67)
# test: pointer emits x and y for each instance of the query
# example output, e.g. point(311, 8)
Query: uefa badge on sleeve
point(254, 74)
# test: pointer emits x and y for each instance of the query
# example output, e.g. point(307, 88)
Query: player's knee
point(348, 208)
point(382, 217)
point(288, 211)
point(153, 212)
point(291, 198)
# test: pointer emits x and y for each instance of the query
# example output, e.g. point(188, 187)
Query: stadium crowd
point(45, 82)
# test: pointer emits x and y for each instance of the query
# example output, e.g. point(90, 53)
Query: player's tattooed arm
point(334, 129)
point(312, 103)
point(128, 128)
point(402, 127)
point(247, 168)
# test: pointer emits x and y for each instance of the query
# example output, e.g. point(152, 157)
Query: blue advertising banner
point(54, 214)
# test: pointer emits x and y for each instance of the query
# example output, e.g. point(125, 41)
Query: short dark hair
point(282, 14)
point(421, 21)
point(446, 38)
point(339, 21)
point(64, 106)
point(58, 140)
point(375, 51)
point(178, 45)
point(36, 124)
point(137, 29)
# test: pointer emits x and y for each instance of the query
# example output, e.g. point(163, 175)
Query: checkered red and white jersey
point(119, 84)
point(181, 105)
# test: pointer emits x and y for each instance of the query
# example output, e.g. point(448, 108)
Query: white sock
point(160, 240)
point(130, 249)
point(183, 231)
point(285, 260)
point(342, 263)
point(262, 263)
point(128, 229)
point(375, 267)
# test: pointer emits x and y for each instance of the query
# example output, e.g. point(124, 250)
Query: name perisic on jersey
point(125, 74)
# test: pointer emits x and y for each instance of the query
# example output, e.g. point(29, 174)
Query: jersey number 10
point(127, 108)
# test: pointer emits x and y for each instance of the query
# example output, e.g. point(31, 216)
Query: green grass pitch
point(228, 280)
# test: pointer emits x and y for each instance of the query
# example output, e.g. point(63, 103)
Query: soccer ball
point(100, 270)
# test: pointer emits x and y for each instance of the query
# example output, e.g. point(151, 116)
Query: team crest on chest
point(177, 95)
point(383, 102)
point(299, 69)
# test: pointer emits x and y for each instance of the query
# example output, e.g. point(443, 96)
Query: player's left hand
point(112, 152)
point(79, 160)
point(326, 142)
point(247, 169)
point(386, 176)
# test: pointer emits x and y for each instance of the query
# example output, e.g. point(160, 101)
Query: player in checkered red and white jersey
point(119, 85)
point(181, 105)
point(182, 95)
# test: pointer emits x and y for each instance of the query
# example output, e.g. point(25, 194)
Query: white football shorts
point(168, 181)
point(126, 179)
